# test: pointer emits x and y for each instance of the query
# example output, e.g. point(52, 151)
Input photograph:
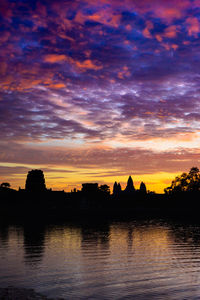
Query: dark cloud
point(18, 170)
point(36, 119)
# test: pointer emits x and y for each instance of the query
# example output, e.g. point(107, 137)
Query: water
point(116, 260)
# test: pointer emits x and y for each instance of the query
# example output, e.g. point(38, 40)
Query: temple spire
point(130, 187)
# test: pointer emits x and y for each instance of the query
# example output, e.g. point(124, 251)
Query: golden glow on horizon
point(63, 178)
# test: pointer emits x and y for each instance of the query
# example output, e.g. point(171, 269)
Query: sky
point(95, 91)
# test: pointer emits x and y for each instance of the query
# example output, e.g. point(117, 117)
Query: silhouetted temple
point(117, 188)
point(143, 188)
point(95, 200)
point(35, 181)
point(129, 190)
point(130, 187)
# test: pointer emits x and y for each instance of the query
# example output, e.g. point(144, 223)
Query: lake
point(152, 259)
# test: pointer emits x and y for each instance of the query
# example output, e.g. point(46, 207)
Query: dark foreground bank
point(13, 293)
point(63, 206)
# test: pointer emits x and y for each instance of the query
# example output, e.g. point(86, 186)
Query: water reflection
point(186, 233)
point(130, 241)
point(34, 243)
point(95, 235)
point(107, 260)
point(4, 235)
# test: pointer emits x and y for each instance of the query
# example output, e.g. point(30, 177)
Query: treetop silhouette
point(186, 182)
point(5, 185)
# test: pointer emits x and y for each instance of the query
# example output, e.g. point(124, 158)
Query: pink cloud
point(193, 26)
point(171, 32)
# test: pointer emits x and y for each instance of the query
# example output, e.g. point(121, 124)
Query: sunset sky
point(95, 91)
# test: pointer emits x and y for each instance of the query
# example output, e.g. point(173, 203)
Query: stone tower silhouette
point(130, 187)
point(35, 181)
point(143, 188)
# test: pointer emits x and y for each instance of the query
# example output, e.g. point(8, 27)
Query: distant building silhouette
point(130, 187)
point(117, 188)
point(89, 187)
point(143, 188)
point(35, 181)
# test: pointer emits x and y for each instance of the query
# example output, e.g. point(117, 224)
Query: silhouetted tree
point(186, 182)
point(104, 188)
point(143, 188)
point(194, 179)
point(35, 181)
point(5, 185)
point(130, 187)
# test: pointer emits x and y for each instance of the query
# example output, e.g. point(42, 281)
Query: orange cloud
point(115, 20)
point(174, 46)
point(146, 32)
point(159, 38)
point(66, 37)
point(54, 58)
point(80, 17)
point(166, 46)
point(124, 73)
point(103, 16)
point(57, 85)
point(171, 32)
point(193, 26)
point(169, 47)
point(87, 64)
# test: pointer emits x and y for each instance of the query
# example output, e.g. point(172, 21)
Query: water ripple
point(134, 260)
